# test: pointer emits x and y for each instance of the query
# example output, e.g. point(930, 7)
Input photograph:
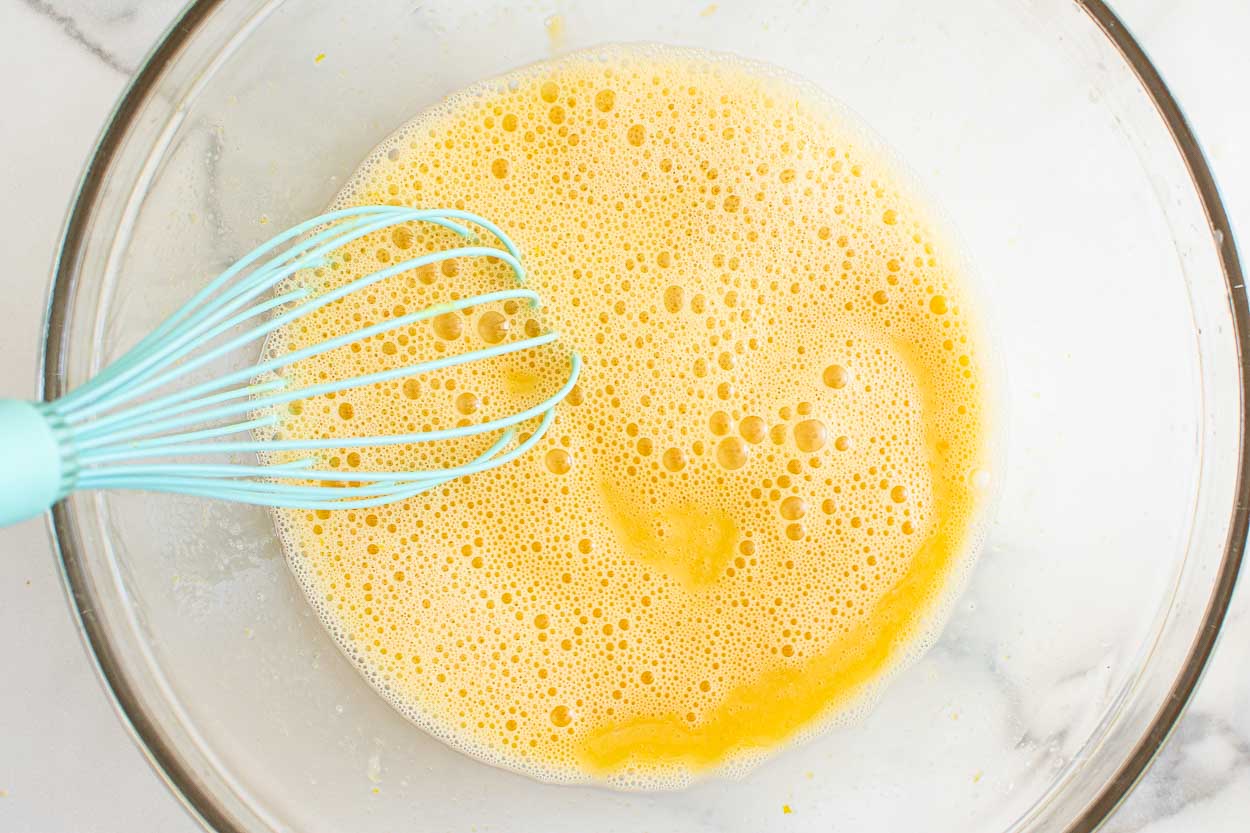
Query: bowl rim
point(177, 773)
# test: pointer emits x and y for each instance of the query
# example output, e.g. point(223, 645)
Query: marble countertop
point(66, 763)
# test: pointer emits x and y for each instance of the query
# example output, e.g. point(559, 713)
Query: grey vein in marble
point(1204, 757)
point(70, 27)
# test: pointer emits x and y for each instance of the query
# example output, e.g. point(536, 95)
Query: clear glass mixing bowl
point(1111, 285)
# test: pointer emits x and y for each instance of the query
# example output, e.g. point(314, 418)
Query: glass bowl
point(1111, 285)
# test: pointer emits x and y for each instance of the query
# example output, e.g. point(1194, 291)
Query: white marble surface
point(66, 764)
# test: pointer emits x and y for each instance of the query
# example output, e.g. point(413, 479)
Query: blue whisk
point(126, 427)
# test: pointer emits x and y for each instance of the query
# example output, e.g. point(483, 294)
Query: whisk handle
point(32, 469)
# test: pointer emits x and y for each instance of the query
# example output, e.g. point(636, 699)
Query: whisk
point(128, 427)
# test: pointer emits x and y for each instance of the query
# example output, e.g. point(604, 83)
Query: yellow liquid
point(753, 504)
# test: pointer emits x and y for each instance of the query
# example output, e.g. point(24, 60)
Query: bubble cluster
point(761, 483)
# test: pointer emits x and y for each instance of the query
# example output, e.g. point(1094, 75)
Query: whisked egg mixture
point(749, 511)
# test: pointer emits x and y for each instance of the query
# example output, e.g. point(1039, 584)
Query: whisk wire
point(202, 312)
point(185, 345)
point(156, 448)
point(293, 497)
point(174, 402)
point(100, 432)
point(273, 400)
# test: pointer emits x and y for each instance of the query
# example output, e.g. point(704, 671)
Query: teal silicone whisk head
point(134, 424)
